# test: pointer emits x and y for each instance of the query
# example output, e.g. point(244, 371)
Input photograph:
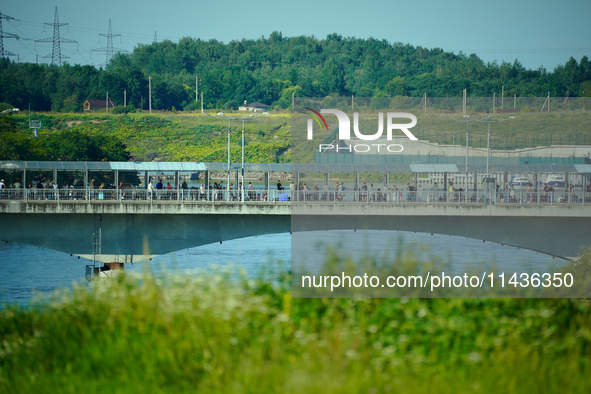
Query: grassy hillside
point(180, 137)
point(197, 137)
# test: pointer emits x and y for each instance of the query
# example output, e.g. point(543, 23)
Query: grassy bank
point(196, 137)
point(215, 334)
point(179, 137)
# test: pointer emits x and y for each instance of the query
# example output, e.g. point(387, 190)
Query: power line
point(56, 54)
point(109, 48)
point(3, 35)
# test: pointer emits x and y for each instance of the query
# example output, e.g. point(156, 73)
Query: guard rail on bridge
point(300, 196)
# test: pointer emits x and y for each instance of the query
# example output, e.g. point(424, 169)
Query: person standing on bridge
point(150, 189)
point(450, 190)
point(364, 192)
point(250, 191)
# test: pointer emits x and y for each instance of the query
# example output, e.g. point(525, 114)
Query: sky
point(537, 33)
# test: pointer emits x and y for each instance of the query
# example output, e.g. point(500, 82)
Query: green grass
point(195, 137)
point(215, 333)
point(179, 137)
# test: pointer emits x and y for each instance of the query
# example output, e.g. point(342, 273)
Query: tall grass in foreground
point(217, 334)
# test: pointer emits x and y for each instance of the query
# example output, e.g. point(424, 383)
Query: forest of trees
point(270, 69)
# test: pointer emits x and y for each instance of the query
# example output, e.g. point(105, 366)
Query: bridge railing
point(400, 196)
point(151, 196)
point(375, 195)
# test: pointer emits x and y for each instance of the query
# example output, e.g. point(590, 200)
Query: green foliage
point(4, 106)
point(19, 146)
point(269, 70)
point(397, 87)
point(7, 124)
point(216, 332)
point(76, 145)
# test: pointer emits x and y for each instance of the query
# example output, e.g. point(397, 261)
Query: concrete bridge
point(127, 218)
point(152, 227)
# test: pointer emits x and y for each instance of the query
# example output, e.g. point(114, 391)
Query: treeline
point(269, 70)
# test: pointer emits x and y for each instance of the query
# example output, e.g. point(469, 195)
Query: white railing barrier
point(333, 197)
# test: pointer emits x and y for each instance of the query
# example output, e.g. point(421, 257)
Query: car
point(555, 180)
point(521, 181)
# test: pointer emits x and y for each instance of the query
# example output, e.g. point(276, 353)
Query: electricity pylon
point(56, 54)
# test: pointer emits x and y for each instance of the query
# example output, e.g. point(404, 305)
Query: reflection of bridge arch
point(142, 229)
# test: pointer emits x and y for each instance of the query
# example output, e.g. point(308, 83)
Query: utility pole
point(196, 88)
point(125, 98)
point(494, 98)
point(150, 92)
point(107, 104)
point(56, 53)
point(109, 48)
point(503, 97)
point(464, 103)
point(229, 160)
point(3, 52)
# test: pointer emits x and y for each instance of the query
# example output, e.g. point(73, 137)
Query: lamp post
point(223, 116)
point(467, 120)
point(242, 166)
point(488, 137)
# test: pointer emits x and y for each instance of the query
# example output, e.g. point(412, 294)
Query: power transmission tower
point(3, 35)
point(56, 54)
point(109, 49)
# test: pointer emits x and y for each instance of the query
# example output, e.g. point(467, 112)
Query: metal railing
point(375, 196)
point(144, 195)
point(478, 197)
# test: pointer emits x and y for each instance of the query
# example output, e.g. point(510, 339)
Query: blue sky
point(537, 33)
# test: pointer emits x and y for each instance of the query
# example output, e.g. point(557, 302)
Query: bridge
point(138, 223)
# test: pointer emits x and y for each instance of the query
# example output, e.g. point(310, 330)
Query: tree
point(286, 95)
point(397, 87)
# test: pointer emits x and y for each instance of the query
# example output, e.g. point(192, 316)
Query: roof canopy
point(288, 167)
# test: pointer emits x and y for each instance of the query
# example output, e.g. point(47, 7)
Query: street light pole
point(482, 120)
point(229, 159)
point(488, 137)
point(487, 149)
point(467, 128)
point(243, 119)
point(242, 167)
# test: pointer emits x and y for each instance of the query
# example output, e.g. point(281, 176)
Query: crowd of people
point(218, 191)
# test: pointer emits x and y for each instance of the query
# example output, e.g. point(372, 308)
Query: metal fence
point(478, 140)
point(366, 158)
point(478, 197)
point(144, 195)
point(375, 196)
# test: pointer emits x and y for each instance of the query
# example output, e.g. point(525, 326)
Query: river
point(31, 273)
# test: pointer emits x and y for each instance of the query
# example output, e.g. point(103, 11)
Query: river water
point(31, 273)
